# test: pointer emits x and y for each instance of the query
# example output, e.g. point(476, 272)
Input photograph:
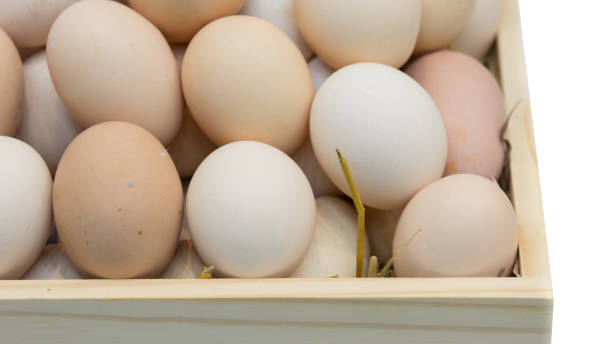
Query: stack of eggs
point(128, 102)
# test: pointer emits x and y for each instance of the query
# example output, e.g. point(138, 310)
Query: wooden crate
point(399, 310)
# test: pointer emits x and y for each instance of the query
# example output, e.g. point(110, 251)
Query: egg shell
point(103, 74)
point(441, 22)
point(344, 32)
point(185, 264)
point(11, 86)
point(468, 230)
point(25, 206)
point(380, 227)
point(386, 126)
point(53, 264)
point(271, 87)
point(250, 211)
point(46, 124)
point(118, 202)
point(279, 13)
point(480, 31)
point(180, 20)
point(28, 21)
point(333, 250)
point(472, 106)
point(190, 146)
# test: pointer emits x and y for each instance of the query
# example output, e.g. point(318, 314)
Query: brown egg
point(441, 22)
point(108, 63)
point(11, 86)
point(179, 20)
point(256, 88)
point(472, 108)
point(468, 229)
point(118, 202)
point(190, 146)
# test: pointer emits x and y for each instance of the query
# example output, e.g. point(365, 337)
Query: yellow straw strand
point(360, 213)
point(207, 273)
point(373, 267)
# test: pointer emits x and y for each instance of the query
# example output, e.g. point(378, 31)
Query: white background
point(568, 47)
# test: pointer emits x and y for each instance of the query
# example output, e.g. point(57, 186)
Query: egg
point(108, 75)
point(279, 13)
point(53, 264)
point(386, 126)
point(344, 32)
point(380, 227)
point(11, 86)
point(441, 22)
point(480, 31)
point(468, 229)
point(180, 20)
point(250, 211)
point(28, 21)
point(118, 202)
point(472, 107)
point(46, 124)
point(190, 146)
point(271, 87)
point(185, 264)
point(25, 206)
point(333, 251)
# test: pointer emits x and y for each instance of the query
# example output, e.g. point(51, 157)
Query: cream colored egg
point(46, 124)
point(279, 13)
point(110, 75)
point(25, 206)
point(185, 264)
point(28, 21)
point(472, 106)
point(441, 22)
point(344, 32)
point(333, 250)
point(481, 29)
point(118, 202)
point(256, 88)
point(11, 86)
point(380, 226)
point(190, 146)
point(180, 20)
point(250, 211)
point(468, 229)
point(387, 127)
point(53, 264)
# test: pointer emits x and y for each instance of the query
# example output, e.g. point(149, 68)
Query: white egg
point(25, 206)
point(386, 126)
point(250, 211)
point(185, 264)
point(380, 226)
point(28, 21)
point(279, 13)
point(481, 29)
point(46, 124)
point(334, 247)
point(53, 264)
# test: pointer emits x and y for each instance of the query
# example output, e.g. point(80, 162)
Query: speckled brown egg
point(472, 108)
point(11, 86)
point(118, 202)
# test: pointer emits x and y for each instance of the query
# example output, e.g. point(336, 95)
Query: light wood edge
point(523, 161)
